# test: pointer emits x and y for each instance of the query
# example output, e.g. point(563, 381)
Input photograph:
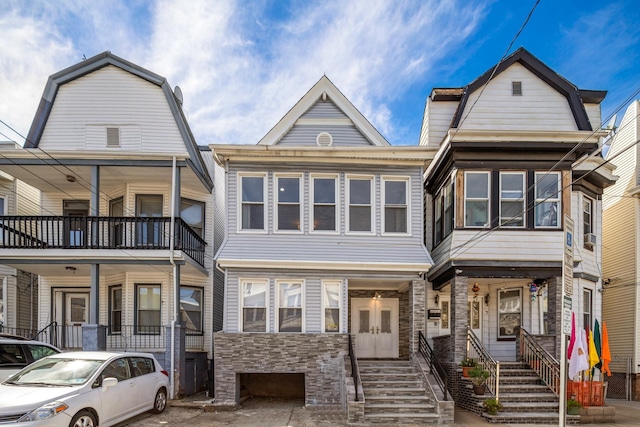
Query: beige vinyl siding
point(70, 281)
point(507, 245)
point(437, 121)
point(621, 226)
point(8, 193)
point(540, 107)
point(594, 114)
point(90, 103)
point(28, 199)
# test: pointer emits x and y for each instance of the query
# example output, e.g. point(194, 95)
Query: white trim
point(241, 283)
point(302, 304)
point(276, 202)
point(312, 203)
point(488, 198)
point(523, 199)
point(557, 199)
point(4, 205)
point(325, 265)
point(325, 283)
point(372, 198)
point(383, 202)
point(239, 177)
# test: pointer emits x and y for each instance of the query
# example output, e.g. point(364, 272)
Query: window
point(444, 315)
point(516, 88)
point(473, 314)
point(118, 369)
point(587, 218)
point(331, 303)
point(3, 206)
point(548, 194)
point(324, 203)
point(12, 355)
point(115, 309)
point(443, 206)
point(476, 199)
point(437, 215)
point(289, 306)
point(191, 308)
point(148, 309)
point(587, 299)
point(252, 190)
point(288, 203)
point(254, 306)
point(360, 212)
point(142, 366)
point(116, 229)
point(39, 351)
point(509, 313)
point(448, 210)
point(395, 205)
point(512, 192)
point(149, 233)
point(192, 212)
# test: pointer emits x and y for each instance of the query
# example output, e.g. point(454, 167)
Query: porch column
point(95, 205)
point(554, 312)
point(94, 336)
point(417, 304)
point(459, 318)
point(94, 295)
point(176, 297)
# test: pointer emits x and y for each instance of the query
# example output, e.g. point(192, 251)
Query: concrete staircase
point(394, 393)
point(526, 399)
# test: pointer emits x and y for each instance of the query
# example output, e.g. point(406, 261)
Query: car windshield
point(56, 372)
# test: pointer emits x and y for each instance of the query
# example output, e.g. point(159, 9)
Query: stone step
point(553, 407)
point(535, 388)
point(397, 400)
point(392, 384)
point(528, 397)
point(392, 391)
point(397, 408)
point(505, 417)
point(393, 419)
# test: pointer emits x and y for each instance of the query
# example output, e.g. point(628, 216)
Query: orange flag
point(606, 353)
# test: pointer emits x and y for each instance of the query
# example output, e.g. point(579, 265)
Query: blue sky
point(242, 65)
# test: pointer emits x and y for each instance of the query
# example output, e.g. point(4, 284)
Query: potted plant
point(478, 378)
point(573, 407)
point(467, 364)
point(492, 405)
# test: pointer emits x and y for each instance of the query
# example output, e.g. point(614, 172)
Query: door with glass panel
point(149, 231)
point(76, 315)
point(374, 321)
point(474, 315)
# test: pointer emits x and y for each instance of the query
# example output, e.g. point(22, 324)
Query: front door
point(375, 324)
point(75, 214)
point(474, 315)
point(76, 315)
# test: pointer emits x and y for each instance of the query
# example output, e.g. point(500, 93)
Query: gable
point(111, 98)
point(539, 107)
point(324, 124)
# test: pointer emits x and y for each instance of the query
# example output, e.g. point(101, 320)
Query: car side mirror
point(109, 382)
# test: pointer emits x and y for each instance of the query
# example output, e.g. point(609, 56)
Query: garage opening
point(284, 386)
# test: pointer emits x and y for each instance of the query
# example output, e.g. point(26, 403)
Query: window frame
point(371, 179)
point(3, 205)
point(539, 200)
point(241, 202)
point(261, 281)
point(313, 204)
point(200, 329)
point(500, 335)
point(587, 308)
point(279, 283)
point(407, 205)
point(277, 203)
point(587, 225)
point(325, 284)
point(200, 231)
point(113, 288)
point(136, 310)
point(486, 199)
point(523, 200)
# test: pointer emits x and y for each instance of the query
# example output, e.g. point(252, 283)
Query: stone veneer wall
point(319, 356)
point(404, 316)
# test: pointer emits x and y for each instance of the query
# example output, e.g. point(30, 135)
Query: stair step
point(405, 391)
point(396, 399)
point(392, 419)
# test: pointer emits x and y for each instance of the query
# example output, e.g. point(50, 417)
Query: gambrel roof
point(98, 62)
point(324, 89)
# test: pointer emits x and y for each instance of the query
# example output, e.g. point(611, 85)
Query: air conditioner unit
point(589, 240)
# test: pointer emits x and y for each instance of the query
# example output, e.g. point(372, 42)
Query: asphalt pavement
point(292, 413)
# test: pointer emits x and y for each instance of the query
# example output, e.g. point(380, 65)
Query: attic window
point(516, 88)
point(113, 137)
point(324, 139)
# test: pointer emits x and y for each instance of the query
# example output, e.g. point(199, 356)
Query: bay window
point(476, 199)
point(548, 193)
point(512, 197)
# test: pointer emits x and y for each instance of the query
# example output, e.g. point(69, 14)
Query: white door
point(76, 315)
point(375, 324)
point(474, 312)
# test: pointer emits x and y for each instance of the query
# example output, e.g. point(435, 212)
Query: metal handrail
point(354, 367)
point(477, 351)
point(435, 367)
point(540, 360)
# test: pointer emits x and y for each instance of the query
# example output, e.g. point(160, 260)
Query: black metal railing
point(70, 232)
point(354, 368)
point(435, 367)
point(540, 360)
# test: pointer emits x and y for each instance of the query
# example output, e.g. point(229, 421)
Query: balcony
point(77, 232)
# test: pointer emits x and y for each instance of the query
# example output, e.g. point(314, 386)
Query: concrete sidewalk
point(292, 413)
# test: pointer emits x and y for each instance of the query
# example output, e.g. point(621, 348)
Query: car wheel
point(83, 419)
point(160, 402)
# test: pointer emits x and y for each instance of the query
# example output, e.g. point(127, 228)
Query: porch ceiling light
point(71, 269)
point(377, 295)
point(71, 178)
point(475, 290)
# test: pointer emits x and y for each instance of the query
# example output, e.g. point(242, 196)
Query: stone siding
point(320, 357)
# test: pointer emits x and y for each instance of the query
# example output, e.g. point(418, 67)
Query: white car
point(16, 353)
point(84, 389)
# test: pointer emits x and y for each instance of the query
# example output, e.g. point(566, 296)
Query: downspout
point(172, 226)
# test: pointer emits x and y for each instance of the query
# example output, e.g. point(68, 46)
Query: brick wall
point(319, 356)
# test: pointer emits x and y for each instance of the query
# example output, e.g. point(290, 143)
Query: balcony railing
point(71, 232)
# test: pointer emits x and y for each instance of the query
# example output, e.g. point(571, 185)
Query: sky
point(242, 65)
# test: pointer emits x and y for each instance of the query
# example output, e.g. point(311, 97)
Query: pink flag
point(572, 339)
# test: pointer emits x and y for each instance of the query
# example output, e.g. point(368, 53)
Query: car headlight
point(45, 411)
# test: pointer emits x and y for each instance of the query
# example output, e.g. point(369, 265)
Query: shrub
point(492, 405)
point(478, 375)
point(468, 363)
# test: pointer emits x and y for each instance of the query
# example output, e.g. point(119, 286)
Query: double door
point(374, 321)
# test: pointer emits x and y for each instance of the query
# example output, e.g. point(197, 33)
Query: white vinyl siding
point(360, 193)
point(437, 121)
point(476, 199)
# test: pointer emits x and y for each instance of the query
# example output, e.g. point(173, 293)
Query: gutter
point(172, 387)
